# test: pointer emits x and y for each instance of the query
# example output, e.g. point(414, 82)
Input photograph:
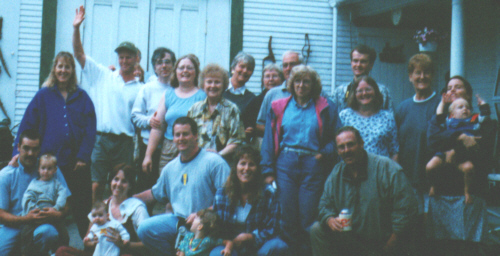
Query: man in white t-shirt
point(113, 94)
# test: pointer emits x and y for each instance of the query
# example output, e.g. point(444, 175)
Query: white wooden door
point(180, 25)
point(110, 22)
point(177, 24)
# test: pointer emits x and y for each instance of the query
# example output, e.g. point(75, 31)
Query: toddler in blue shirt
point(200, 241)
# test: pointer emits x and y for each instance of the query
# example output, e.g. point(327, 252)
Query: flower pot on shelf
point(430, 46)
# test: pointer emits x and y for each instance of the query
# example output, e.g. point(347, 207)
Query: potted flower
point(428, 39)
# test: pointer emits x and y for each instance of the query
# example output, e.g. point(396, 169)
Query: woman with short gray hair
point(242, 69)
point(272, 76)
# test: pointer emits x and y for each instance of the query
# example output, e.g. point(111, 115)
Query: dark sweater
point(412, 120)
point(240, 100)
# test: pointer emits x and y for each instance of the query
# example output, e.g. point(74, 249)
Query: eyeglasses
point(290, 64)
point(188, 68)
point(271, 76)
point(302, 81)
point(166, 62)
point(367, 90)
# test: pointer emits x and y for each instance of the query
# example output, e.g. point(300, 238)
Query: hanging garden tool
point(4, 64)
point(270, 56)
point(307, 44)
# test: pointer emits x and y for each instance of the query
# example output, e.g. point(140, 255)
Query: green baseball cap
point(127, 46)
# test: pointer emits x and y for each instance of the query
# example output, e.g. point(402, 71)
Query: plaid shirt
point(222, 127)
point(262, 221)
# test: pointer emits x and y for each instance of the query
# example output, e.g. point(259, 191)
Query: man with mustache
point(375, 191)
point(14, 181)
point(362, 60)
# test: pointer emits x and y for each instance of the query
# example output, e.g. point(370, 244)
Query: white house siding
point(28, 57)
point(288, 21)
point(9, 10)
point(347, 38)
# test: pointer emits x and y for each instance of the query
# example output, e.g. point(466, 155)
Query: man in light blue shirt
point(13, 184)
point(188, 182)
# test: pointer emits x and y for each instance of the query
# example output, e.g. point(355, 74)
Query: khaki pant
point(168, 153)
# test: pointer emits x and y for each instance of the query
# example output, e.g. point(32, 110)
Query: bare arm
point(13, 220)
point(260, 130)
point(77, 42)
point(146, 196)
point(391, 243)
point(228, 149)
point(155, 136)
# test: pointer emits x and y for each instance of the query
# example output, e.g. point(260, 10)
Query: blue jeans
point(44, 237)
point(300, 179)
point(272, 247)
point(158, 234)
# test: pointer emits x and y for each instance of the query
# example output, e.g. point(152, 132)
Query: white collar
point(239, 91)
point(424, 100)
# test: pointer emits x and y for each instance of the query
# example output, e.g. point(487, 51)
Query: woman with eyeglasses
point(272, 76)
point(174, 104)
point(377, 126)
point(298, 151)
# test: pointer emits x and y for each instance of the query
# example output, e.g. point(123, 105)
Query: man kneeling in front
point(377, 195)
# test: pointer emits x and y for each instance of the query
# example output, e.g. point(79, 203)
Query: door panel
point(112, 22)
point(179, 25)
point(99, 36)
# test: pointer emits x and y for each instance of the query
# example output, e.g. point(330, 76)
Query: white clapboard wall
point(28, 57)
point(347, 38)
point(287, 21)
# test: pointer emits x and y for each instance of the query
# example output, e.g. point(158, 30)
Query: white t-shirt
point(112, 97)
point(105, 247)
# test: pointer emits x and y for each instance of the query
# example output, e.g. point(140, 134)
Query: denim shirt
point(300, 126)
